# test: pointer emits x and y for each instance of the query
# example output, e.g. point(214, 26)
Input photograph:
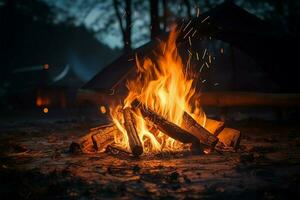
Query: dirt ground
point(35, 164)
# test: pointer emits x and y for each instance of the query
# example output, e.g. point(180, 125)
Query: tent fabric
point(274, 50)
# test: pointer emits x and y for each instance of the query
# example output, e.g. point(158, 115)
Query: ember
point(160, 113)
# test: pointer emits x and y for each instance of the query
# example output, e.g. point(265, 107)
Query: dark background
point(50, 48)
point(53, 51)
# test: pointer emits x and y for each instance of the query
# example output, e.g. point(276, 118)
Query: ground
point(35, 164)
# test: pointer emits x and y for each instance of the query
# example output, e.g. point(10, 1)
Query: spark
point(187, 25)
point(194, 33)
point(197, 55)
point(207, 65)
point(204, 53)
point(204, 81)
point(130, 59)
point(201, 67)
point(188, 33)
point(165, 45)
point(198, 12)
point(216, 84)
point(188, 63)
point(205, 19)
point(181, 26)
point(190, 52)
point(190, 41)
point(209, 59)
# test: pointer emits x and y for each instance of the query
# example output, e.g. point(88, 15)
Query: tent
point(273, 49)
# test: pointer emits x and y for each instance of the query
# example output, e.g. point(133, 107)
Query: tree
point(165, 8)
point(125, 29)
point(154, 26)
point(188, 8)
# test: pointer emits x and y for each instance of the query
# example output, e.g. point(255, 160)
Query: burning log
point(197, 130)
point(102, 140)
point(230, 137)
point(117, 150)
point(97, 139)
point(214, 126)
point(82, 145)
point(169, 128)
point(133, 137)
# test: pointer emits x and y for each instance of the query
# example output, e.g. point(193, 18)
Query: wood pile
point(101, 138)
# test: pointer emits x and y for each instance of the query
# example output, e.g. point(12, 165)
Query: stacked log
point(96, 140)
point(230, 137)
point(101, 138)
point(191, 129)
point(133, 137)
point(197, 130)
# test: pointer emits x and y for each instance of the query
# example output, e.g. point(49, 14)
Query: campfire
point(161, 112)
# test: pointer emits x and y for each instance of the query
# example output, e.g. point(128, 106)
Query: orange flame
point(163, 86)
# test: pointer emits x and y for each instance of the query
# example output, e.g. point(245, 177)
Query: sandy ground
point(35, 164)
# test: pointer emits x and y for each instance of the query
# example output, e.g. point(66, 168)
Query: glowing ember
point(103, 109)
point(164, 86)
point(45, 110)
point(46, 66)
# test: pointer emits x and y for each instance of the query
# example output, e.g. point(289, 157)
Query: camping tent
point(274, 50)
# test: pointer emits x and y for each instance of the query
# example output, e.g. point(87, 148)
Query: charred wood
point(133, 137)
point(97, 139)
point(230, 137)
point(117, 150)
point(214, 126)
point(198, 131)
point(190, 132)
point(104, 137)
point(169, 128)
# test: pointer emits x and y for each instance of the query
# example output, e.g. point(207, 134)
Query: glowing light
point(165, 87)
point(46, 66)
point(45, 110)
point(222, 50)
point(103, 109)
point(39, 101)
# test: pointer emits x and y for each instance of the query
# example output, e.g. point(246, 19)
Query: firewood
point(198, 131)
point(86, 144)
point(104, 137)
point(117, 150)
point(169, 128)
point(82, 145)
point(230, 137)
point(133, 137)
point(214, 126)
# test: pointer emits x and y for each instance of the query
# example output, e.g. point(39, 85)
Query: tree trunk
point(155, 30)
point(126, 31)
point(127, 36)
point(165, 9)
point(188, 8)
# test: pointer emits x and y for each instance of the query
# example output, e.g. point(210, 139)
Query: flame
point(163, 85)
